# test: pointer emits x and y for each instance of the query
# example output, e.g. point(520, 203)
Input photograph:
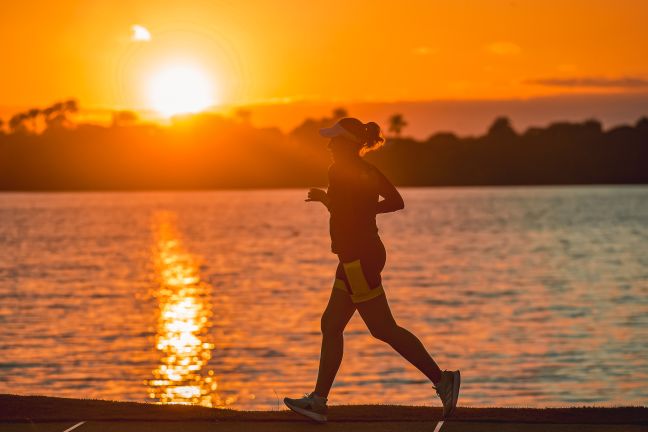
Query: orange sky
point(269, 51)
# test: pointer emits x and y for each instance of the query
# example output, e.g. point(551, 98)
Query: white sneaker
point(311, 406)
point(448, 391)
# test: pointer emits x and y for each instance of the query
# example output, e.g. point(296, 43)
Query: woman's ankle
point(320, 395)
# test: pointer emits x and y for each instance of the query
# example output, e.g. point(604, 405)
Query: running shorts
point(358, 274)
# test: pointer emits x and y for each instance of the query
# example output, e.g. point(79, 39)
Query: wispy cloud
point(600, 82)
point(140, 33)
point(504, 48)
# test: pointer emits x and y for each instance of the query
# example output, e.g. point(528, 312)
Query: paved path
point(447, 426)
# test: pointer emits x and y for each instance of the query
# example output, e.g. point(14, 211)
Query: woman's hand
point(315, 194)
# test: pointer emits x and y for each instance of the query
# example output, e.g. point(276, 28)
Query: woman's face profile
point(342, 149)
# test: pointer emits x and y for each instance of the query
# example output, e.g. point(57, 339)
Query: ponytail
point(368, 135)
point(372, 139)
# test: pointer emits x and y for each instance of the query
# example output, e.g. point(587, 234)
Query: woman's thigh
point(361, 276)
point(338, 312)
point(377, 314)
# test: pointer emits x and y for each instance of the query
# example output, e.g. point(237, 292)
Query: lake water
point(538, 295)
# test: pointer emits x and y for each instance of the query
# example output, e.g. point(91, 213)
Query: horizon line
point(311, 101)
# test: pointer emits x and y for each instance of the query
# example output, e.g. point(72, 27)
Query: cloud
point(504, 48)
point(600, 82)
point(140, 33)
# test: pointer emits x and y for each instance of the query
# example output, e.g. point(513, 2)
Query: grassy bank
point(16, 408)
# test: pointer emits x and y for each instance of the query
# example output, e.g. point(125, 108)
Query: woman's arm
point(393, 200)
point(320, 195)
point(315, 194)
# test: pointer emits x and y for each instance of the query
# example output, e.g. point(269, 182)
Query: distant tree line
point(35, 120)
point(45, 149)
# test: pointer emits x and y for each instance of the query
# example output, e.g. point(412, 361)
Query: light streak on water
point(183, 324)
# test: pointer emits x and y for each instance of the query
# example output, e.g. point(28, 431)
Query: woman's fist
point(315, 194)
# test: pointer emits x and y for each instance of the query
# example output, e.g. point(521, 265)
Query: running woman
point(352, 199)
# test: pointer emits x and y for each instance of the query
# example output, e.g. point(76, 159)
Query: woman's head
point(351, 138)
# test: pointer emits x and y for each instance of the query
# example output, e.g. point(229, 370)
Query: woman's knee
point(384, 332)
point(330, 326)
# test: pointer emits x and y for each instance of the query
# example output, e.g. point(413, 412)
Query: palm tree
point(124, 118)
point(33, 114)
point(71, 106)
point(243, 115)
point(58, 106)
point(396, 124)
point(16, 123)
point(339, 113)
point(47, 113)
point(501, 130)
point(56, 115)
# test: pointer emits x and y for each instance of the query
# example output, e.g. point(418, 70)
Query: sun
point(180, 89)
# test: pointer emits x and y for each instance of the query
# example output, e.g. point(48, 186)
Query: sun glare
point(180, 90)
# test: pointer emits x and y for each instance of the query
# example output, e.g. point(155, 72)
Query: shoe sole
point(456, 382)
point(319, 418)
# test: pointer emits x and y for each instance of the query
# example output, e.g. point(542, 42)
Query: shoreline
point(298, 188)
point(34, 409)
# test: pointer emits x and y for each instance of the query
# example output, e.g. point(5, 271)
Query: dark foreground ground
point(48, 414)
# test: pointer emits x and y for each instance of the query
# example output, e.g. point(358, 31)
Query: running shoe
point(311, 406)
point(448, 391)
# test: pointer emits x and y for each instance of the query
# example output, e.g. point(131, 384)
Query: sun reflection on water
point(183, 324)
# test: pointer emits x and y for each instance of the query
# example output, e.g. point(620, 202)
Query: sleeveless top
point(353, 199)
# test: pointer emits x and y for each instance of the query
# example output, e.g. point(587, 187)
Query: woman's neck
point(350, 161)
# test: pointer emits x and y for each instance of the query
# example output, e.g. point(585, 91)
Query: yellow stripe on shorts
point(360, 290)
point(339, 284)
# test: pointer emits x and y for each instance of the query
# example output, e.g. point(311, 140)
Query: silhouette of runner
point(352, 199)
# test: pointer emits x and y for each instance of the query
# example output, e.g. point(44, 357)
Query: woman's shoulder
point(371, 168)
point(353, 172)
point(378, 176)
